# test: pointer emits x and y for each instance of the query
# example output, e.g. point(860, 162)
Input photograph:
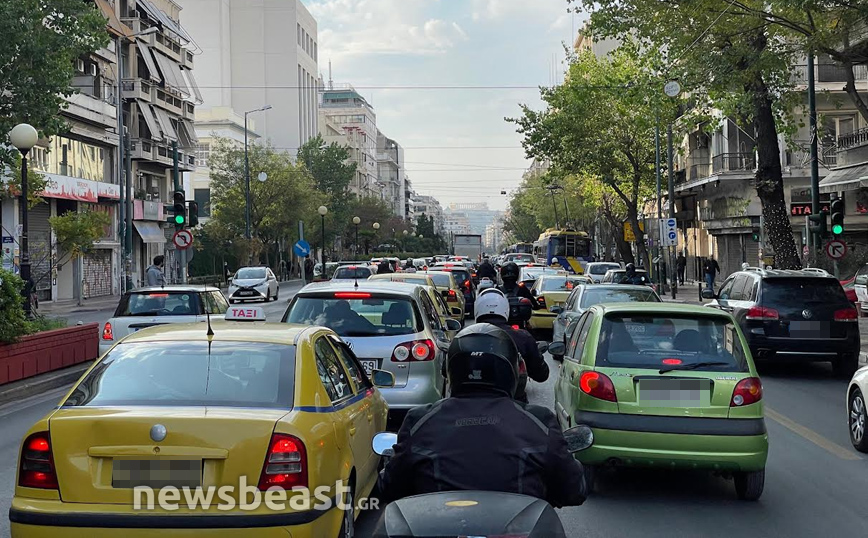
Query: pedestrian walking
point(710, 268)
point(155, 276)
point(681, 266)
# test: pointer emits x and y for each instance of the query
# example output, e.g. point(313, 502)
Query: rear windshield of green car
point(657, 341)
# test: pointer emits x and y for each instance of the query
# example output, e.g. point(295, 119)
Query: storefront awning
point(851, 178)
point(150, 232)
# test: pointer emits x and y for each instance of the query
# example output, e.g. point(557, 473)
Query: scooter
point(472, 513)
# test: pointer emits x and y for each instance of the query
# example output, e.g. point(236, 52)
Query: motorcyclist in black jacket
point(509, 275)
point(493, 307)
point(486, 270)
point(480, 438)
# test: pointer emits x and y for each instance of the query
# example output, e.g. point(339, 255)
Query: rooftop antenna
point(331, 82)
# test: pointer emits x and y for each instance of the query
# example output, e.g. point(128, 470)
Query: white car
point(352, 273)
point(857, 416)
point(160, 305)
point(860, 284)
point(253, 284)
point(597, 270)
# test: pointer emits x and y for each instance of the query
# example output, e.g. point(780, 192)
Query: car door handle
point(352, 430)
point(370, 417)
point(572, 375)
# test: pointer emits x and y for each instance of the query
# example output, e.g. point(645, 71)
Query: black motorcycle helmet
point(483, 358)
point(630, 268)
point(509, 272)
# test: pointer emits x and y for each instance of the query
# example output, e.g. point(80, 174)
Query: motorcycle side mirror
point(578, 438)
point(453, 325)
point(382, 378)
point(558, 349)
point(384, 443)
point(708, 294)
point(542, 346)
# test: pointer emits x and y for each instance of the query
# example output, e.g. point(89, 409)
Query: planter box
point(48, 351)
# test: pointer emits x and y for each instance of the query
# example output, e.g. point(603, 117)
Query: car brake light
point(597, 385)
point(107, 332)
point(467, 284)
point(352, 295)
point(541, 300)
point(452, 295)
point(37, 463)
point(516, 327)
point(671, 362)
point(285, 464)
point(748, 391)
point(157, 295)
point(762, 313)
point(415, 351)
point(847, 314)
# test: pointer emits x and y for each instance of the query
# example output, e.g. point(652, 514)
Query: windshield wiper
point(693, 366)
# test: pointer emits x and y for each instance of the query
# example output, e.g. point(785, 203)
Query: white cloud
point(501, 9)
point(378, 27)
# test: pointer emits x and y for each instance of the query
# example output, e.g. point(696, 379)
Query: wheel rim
point(348, 516)
point(857, 418)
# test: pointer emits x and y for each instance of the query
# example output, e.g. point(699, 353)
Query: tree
point(371, 210)
point(277, 204)
point(41, 41)
point(600, 124)
point(738, 64)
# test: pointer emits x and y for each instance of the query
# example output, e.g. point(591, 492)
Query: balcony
point(142, 149)
point(828, 73)
point(189, 112)
point(139, 89)
point(853, 148)
point(91, 109)
point(169, 102)
point(187, 59)
point(138, 26)
point(800, 157)
point(733, 162)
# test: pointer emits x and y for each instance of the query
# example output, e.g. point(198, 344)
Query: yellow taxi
point(444, 311)
point(552, 290)
point(222, 429)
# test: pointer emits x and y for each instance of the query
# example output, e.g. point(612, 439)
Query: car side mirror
point(557, 349)
point(382, 378)
point(453, 325)
point(384, 444)
point(535, 292)
point(445, 294)
point(556, 310)
point(708, 294)
point(456, 311)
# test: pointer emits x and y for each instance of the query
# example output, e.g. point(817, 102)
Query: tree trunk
point(633, 217)
point(851, 90)
point(769, 180)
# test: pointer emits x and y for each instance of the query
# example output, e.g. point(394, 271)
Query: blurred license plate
point(675, 392)
point(128, 474)
point(369, 365)
point(809, 329)
point(247, 293)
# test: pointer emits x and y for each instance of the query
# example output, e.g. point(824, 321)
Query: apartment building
point(430, 207)
point(391, 173)
point(346, 118)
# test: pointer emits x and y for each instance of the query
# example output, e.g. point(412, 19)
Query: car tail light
point(285, 464)
point(597, 385)
point(748, 391)
point(37, 463)
point(541, 300)
point(467, 284)
point(352, 295)
point(762, 313)
point(846, 314)
point(516, 327)
point(415, 351)
point(452, 296)
point(107, 333)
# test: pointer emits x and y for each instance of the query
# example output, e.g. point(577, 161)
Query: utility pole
point(552, 189)
point(659, 210)
point(122, 206)
point(815, 172)
point(674, 276)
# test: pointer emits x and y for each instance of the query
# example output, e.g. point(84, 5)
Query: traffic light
point(837, 209)
point(179, 211)
point(755, 237)
point(818, 223)
point(193, 213)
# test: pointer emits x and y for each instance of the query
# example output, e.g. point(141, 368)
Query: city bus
point(567, 249)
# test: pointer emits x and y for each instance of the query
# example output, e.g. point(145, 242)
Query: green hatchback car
point(664, 386)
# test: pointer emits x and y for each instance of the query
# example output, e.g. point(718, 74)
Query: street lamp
point(23, 136)
point(247, 170)
point(357, 221)
point(323, 211)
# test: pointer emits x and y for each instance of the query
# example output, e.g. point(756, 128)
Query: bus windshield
point(571, 246)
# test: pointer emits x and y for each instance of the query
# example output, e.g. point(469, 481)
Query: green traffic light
point(179, 219)
point(837, 229)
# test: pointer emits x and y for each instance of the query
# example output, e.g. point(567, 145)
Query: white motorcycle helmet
point(491, 302)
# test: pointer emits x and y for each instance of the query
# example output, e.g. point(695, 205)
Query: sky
point(414, 61)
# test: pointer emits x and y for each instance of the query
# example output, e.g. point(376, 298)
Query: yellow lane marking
point(812, 436)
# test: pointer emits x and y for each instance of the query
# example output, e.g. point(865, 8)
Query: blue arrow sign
point(302, 249)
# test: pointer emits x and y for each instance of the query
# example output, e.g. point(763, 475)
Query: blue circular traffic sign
point(302, 249)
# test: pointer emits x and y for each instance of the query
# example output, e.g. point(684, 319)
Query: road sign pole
point(183, 259)
point(301, 261)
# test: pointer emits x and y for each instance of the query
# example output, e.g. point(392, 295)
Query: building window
point(298, 26)
point(203, 153)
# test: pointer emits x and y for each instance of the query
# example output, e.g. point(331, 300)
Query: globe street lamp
point(323, 211)
point(357, 221)
point(247, 167)
point(24, 137)
point(376, 227)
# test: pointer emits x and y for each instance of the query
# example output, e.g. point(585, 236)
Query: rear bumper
point(696, 443)
point(542, 321)
point(419, 390)
point(818, 346)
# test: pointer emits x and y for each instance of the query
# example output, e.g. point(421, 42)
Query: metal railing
point(800, 157)
point(854, 139)
point(828, 73)
point(733, 162)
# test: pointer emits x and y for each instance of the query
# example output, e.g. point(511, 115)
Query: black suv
point(800, 313)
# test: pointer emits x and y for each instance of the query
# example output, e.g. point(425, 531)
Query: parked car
point(160, 305)
point(352, 273)
point(585, 296)
point(253, 284)
point(389, 326)
point(800, 314)
point(597, 270)
point(664, 386)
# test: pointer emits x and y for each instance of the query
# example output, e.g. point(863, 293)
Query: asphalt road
point(816, 484)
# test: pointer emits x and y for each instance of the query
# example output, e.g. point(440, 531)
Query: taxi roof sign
point(245, 313)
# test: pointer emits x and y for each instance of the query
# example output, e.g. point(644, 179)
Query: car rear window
point(236, 374)
point(659, 341)
point(562, 283)
point(159, 303)
point(353, 272)
point(602, 269)
point(441, 280)
point(249, 273)
point(800, 291)
point(357, 314)
point(591, 296)
point(461, 275)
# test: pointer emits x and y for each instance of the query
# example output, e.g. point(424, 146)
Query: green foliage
point(41, 324)
point(77, 232)
point(11, 186)
point(41, 41)
point(12, 321)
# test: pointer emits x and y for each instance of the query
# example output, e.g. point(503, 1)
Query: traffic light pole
point(815, 170)
point(182, 254)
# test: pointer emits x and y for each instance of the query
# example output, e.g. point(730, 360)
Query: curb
point(18, 390)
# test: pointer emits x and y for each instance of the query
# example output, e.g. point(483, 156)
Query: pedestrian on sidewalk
point(155, 272)
point(681, 266)
point(711, 268)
